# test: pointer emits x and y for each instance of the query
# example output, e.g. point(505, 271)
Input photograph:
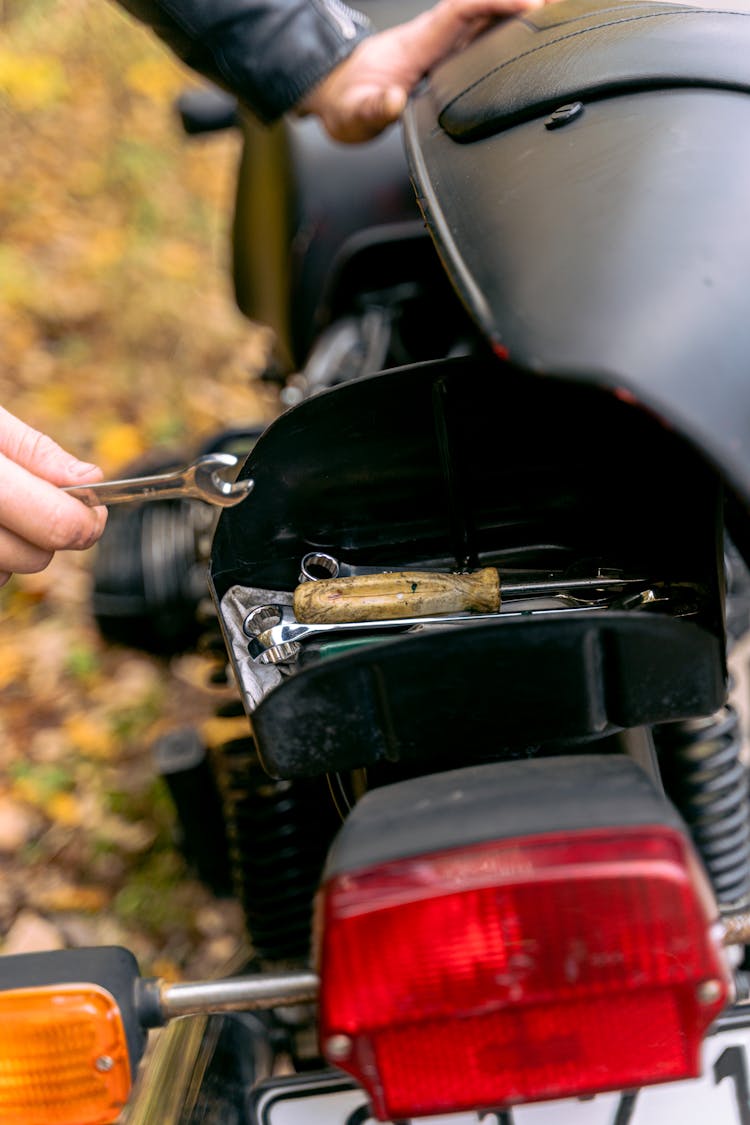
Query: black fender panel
point(614, 250)
point(485, 690)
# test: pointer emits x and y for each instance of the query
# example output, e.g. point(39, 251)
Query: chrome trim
point(171, 1075)
point(238, 994)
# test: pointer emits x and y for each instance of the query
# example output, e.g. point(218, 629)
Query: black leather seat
point(589, 50)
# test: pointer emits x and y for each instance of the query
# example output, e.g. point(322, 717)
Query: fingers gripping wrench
point(203, 480)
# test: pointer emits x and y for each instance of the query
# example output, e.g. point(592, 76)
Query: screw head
point(709, 991)
point(564, 115)
point(104, 1063)
point(338, 1047)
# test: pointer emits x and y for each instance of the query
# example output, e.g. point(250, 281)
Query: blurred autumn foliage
point(117, 334)
point(116, 324)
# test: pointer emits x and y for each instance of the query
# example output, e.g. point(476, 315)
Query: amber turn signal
point(63, 1056)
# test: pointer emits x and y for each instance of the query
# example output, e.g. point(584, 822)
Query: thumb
point(40, 454)
point(378, 109)
point(394, 101)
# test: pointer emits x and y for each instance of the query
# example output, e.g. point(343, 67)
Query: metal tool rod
point(238, 994)
point(564, 585)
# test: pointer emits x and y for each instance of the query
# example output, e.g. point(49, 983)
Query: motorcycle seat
point(588, 50)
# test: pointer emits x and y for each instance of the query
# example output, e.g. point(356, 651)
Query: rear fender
point(615, 250)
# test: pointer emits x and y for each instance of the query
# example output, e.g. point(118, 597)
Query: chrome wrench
point(276, 636)
point(202, 480)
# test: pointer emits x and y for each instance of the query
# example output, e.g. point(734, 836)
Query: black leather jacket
point(269, 53)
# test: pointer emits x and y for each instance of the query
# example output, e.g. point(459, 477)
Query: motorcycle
point(476, 610)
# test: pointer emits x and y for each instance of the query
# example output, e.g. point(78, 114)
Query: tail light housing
point(538, 965)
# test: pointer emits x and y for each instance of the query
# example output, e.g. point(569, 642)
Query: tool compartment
point(452, 466)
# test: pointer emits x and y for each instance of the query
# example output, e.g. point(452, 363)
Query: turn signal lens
point(63, 1057)
point(521, 970)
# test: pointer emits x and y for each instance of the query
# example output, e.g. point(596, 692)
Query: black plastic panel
point(614, 250)
point(497, 802)
point(448, 461)
point(453, 463)
point(478, 693)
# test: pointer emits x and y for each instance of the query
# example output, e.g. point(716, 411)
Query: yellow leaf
point(118, 444)
point(66, 898)
point(166, 969)
point(105, 247)
point(89, 176)
point(64, 809)
point(18, 333)
point(179, 260)
point(31, 81)
point(90, 736)
point(155, 78)
point(11, 665)
point(56, 399)
point(16, 276)
point(216, 730)
point(29, 790)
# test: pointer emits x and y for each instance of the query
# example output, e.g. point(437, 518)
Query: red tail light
point(521, 970)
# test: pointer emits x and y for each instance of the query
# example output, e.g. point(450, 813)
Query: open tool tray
point(461, 464)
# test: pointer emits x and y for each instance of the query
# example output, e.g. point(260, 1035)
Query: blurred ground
point(117, 334)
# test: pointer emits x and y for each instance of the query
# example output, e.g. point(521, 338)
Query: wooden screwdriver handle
point(408, 593)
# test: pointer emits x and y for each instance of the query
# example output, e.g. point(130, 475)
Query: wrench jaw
point(211, 485)
point(260, 618)
point(230, 493)
point(262, 648)
point(285, 653)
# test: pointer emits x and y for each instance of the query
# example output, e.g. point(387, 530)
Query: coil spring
point(279, 833)
point(707, 781)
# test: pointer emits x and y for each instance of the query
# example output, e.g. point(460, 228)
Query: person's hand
point(36, 518)
point(368, 91)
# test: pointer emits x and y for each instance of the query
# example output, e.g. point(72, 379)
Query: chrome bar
point(564, 586)
point(238, 994)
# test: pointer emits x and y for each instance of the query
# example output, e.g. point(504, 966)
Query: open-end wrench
point(276, 636)
point(203, 480)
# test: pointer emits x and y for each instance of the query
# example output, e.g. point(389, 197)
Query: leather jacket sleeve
point(270, 53)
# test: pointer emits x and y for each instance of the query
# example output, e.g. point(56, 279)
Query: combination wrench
point(276, 636)
point(202, 480)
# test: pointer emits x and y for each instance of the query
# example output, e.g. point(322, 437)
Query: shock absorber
point(707, 781)
point(279, 833)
